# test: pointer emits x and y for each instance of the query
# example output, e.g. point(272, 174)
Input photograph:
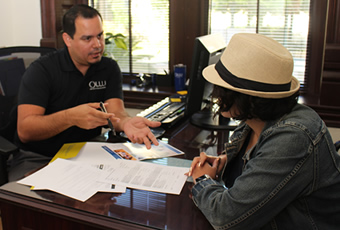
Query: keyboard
point(165, 111)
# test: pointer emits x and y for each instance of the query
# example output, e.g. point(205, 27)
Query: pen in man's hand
point(102, 107)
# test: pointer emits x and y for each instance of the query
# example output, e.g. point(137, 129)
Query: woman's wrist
point(202, 178)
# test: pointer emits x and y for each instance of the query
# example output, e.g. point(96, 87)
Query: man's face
point(87, 45)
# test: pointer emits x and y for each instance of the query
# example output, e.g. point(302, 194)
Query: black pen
point(102, 107)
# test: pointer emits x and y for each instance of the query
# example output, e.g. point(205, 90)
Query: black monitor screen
point(207, 50)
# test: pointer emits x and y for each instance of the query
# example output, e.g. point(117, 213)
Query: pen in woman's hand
point(217, 166)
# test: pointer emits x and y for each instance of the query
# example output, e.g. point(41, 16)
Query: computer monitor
point(207, 50)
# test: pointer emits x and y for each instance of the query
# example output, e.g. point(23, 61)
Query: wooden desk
point(135, 209)
point(22, 208)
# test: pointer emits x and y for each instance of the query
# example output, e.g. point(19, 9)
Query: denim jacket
point(290, 179)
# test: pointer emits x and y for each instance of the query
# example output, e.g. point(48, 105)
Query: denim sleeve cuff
point(198, 187)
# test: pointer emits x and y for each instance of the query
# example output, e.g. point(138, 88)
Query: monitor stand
point(205, 119)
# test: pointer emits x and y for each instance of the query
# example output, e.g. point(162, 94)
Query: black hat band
point(248, 84)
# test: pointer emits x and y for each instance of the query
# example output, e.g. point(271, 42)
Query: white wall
point(20, 23)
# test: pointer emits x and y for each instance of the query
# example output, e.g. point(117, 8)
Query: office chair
point(13, 63)
point(28, 53)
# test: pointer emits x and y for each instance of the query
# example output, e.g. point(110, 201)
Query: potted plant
point(113, 44)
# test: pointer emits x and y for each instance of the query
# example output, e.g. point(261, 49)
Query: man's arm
point(34, 125)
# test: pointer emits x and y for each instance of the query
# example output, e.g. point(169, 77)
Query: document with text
point(145, 176)
point(69, 178)
point(81, 181)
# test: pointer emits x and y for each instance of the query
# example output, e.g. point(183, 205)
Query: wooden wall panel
point(52, 12)
point(333, 25)
point(185, 27)
point(330, 87)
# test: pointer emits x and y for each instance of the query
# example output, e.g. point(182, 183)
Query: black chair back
point(13, 63)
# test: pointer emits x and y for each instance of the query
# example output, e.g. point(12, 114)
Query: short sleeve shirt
point(53, 82)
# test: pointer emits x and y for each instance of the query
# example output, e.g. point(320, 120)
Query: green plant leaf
point(119, 40)
point(120, 43)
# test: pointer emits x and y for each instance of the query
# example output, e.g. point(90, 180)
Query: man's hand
point(138, 131)
point(87, 116)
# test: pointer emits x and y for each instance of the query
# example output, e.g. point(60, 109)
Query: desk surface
point(135, 209)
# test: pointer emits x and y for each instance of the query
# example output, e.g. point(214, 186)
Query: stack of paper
point(79, 170)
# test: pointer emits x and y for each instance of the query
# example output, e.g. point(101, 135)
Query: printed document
point(145, 176)
point(69, 178)
point(79, 170)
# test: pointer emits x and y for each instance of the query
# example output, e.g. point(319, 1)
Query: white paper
point(69, 178)
point(96, 168)
point(146, 176)
point(93, 154)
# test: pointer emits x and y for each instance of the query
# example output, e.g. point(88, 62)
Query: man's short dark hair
point(265, 109)
point(70, 16)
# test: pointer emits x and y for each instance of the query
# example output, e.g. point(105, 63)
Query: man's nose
point(97, 42)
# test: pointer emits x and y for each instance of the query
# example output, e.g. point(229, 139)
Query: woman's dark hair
point(249, 107)
point(70, 16)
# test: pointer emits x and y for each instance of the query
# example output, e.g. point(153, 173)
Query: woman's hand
point(204, 164)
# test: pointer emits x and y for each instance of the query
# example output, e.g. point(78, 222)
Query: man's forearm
point(41, 127)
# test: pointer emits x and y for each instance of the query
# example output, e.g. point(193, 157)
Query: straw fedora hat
point(256, 65)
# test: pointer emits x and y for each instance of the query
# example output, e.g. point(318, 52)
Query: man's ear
point(67, 39)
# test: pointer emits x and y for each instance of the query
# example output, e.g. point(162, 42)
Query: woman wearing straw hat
point(280, 170)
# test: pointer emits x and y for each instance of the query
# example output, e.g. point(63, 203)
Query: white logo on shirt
point(95, 85)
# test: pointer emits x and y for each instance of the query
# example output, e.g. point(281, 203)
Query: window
point(146, 27)
point(283, 20)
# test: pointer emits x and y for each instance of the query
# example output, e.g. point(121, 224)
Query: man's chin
point(93, 60)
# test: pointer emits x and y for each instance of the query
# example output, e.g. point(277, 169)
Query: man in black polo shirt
point(60, 94)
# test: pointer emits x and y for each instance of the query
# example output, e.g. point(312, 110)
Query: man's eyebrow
point(86, 36)
point(91, 36)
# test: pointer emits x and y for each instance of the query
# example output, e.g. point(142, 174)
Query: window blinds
point(145, 23)
point(286, 21)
